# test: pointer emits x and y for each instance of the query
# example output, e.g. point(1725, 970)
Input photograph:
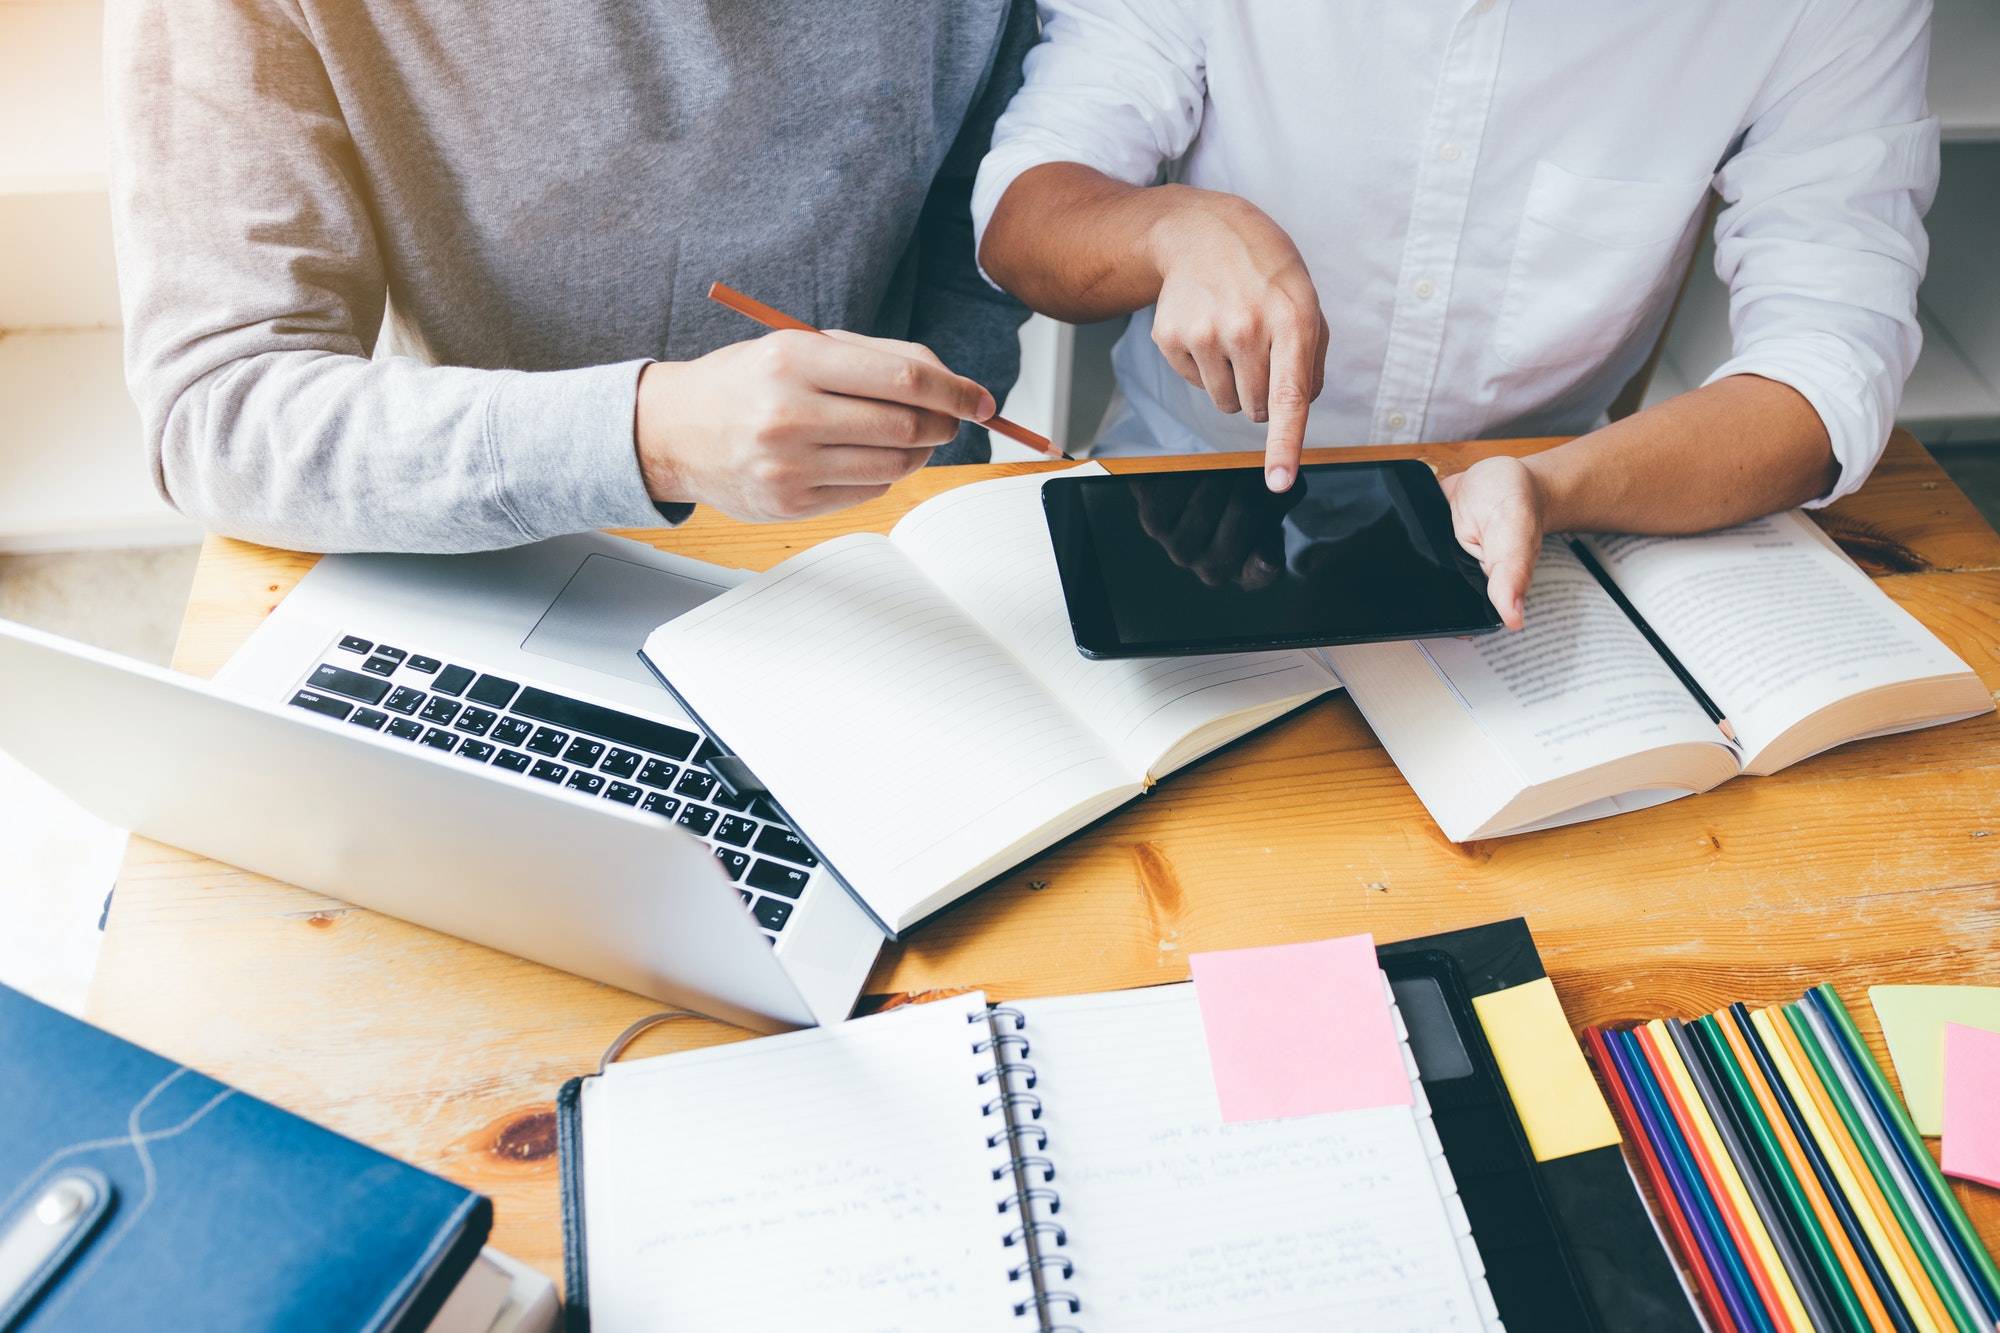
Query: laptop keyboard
point(600, 752)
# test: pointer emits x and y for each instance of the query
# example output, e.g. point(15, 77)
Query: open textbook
point(1053, 1164)
point(1579, 715)
point(917, 702)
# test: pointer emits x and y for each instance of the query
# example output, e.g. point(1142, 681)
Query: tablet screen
point(1164, 563)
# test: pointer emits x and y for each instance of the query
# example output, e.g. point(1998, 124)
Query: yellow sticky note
point(1554, 1094)
point(1913, 1019)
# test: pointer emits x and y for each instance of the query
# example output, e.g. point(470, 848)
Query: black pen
point(1639, 622)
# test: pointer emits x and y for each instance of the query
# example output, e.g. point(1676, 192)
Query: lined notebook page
point(908, 743)
point(1177, 1221)
point(987, 545)
point(838, 1173)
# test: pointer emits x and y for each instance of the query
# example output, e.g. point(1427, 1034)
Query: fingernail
point(986, 406)
point(1279, 478)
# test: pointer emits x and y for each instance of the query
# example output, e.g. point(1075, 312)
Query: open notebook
point(917, 704)
point(1052, 1164)
point(1581, 715)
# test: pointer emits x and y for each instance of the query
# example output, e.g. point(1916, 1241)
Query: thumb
point(1510, 566)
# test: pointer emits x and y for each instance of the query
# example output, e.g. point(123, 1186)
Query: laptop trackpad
point(603, 615)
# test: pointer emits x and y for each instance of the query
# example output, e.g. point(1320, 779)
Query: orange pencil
point(770, 318)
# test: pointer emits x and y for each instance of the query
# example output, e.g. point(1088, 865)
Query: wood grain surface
point(1878, 862)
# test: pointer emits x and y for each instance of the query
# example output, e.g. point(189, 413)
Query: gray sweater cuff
point(562, 450)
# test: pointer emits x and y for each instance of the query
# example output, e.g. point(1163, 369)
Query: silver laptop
point(473, 744)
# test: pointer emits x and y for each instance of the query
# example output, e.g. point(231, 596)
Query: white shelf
point(73, 471)
point(51, 78)
point(1965, 69)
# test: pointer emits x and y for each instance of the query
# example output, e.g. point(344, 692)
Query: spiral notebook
point(1052, 1164)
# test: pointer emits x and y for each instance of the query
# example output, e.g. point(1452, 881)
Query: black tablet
point(1161, 564)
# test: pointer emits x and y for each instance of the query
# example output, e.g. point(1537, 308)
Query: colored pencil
point(1767, 1270)
point(1920, 1298)
point(1932, 1222)
point(1702, 1266)
point(773, 318)
point(1817, 1275)
point(1857, 1294)
point(1936, 1193)
point(1920, 1230)
point(1733, 1280)
point(1816, 1152)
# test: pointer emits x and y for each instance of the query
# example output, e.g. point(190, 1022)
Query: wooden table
point(1879, 862)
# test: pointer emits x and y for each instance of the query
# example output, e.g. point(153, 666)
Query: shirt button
point(1451, 152)
point(1397, 421)
point(1424, 289)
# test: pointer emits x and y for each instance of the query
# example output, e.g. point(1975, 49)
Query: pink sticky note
point(1972, 1104)
point(1296, 1029)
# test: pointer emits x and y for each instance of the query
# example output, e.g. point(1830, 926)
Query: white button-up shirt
point(1497, 198)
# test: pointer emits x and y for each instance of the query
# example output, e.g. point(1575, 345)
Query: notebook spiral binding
point(1033, 1204)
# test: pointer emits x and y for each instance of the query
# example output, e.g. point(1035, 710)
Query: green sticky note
point(1913, 1019)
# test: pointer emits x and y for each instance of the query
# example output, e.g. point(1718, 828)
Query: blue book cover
point(209, 1208)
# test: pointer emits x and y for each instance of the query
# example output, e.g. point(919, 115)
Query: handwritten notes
point(1972, 1104)
point(1298, 1029)
point(1913, 1022)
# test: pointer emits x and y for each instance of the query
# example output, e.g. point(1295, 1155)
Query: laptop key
point(513, 731)
point(709, 750)
point(477, 751)
point(658, 773)
point(402, 700)
point(636, 733)
point(772, 877)
point(476, 721)
point(339, 680)
point(393, 654)
point(696, 784)
point(733, 800)
point(785, 845)
point(441, 711)
point(772, 913)
point(427, 665)
point(513, 761)
point(658, 804)
point(733, 861)
point(493, 691)
point(547, 771)
point(700, 818)
point(625, 793)
point(583, 753)
point(548, 741)
point(369, 718)
point(453, 680)
point(404, 729)
point(621, 763)
point(735, 830)
point(323, 704)
point(440, 739)
point(381, 666)
point(588, 783)
point(355, 645)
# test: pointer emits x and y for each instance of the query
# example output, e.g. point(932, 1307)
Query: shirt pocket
point(1590, 259)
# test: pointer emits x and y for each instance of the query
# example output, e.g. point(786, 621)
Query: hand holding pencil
point(797, 422)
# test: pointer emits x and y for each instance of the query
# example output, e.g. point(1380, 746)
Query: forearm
point(1735, 450)
point(329, 452)
point(1079, 246)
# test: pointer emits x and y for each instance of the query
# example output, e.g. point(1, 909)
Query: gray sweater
point(526, 200)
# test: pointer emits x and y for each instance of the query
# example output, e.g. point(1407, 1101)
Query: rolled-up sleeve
point(1114, 85)
point(1822, 240)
